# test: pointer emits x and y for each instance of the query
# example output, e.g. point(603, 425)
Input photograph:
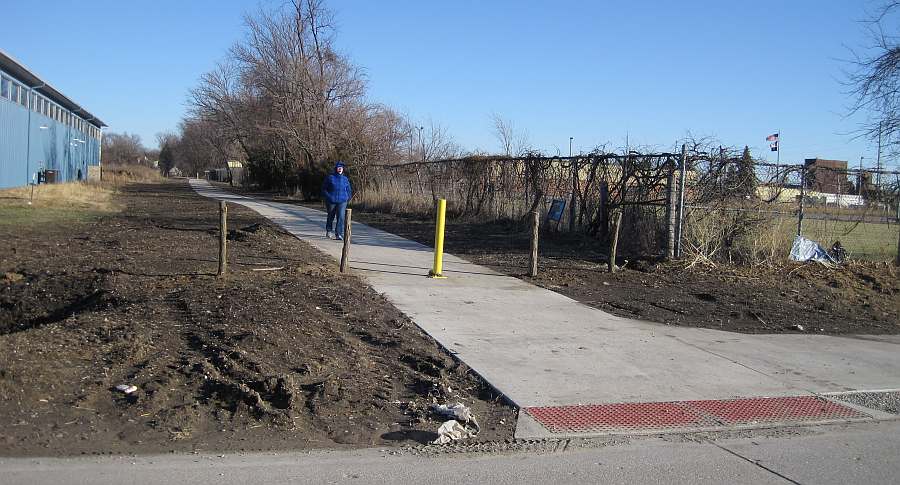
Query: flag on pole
point(772, 137)
point(773, 146)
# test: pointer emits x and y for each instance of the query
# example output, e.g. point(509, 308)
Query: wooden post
point(345, 253)
point(615, 241)
point(671, 209)
point(535, 231)
point(681, 183)
point(223, 237)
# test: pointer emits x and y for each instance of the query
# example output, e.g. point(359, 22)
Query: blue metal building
point(41, 130)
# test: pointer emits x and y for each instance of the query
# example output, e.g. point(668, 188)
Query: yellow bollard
point(439, 241)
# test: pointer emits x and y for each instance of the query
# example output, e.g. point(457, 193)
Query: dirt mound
point(291, 358)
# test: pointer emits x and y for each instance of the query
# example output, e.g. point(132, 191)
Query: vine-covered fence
point(708, 206)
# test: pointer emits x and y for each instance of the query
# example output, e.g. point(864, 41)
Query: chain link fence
point(709, 207)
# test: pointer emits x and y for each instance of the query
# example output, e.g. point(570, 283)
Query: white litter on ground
point(452, 431)
point(125, 388)
point(458, 411)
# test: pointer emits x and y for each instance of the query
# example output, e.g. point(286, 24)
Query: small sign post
point(555, 214)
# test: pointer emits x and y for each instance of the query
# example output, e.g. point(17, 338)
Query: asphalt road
point(858, 454)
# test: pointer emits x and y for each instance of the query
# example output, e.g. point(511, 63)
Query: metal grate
point(690, 415)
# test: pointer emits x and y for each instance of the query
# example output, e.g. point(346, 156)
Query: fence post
point(573, 199)
point(535, 232)
point(223, 237)
point(615, 241)
point(603, 208)
point(670, 214)
point(682, 175)
point(345, 252)
point(802, 196)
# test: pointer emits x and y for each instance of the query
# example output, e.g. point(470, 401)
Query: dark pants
point(335, 211)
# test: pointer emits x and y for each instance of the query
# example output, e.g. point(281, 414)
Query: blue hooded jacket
point(336, 187)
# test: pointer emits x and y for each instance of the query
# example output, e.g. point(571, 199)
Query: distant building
point(43, 130)
point(827, 176)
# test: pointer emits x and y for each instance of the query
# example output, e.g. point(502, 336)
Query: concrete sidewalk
point(857, 454)
point(540, 348)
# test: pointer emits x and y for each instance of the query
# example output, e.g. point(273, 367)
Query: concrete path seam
point(754, 462)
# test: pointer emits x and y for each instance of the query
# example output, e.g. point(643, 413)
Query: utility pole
point(878, 163)
point(859, 178)
point(574, 187)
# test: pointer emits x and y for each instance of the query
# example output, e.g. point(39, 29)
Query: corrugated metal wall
point(53, 146)
point(13, 144)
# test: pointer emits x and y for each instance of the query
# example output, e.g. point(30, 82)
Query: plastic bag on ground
point(452, 431)
point(805, 249)
point(458, 411)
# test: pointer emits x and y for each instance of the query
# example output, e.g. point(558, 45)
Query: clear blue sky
point(593, 70)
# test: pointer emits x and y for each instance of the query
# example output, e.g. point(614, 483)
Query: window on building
point(4, 88)
point(23, 96)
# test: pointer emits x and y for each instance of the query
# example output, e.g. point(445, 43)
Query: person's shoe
point(338, 237)
point(328, 235)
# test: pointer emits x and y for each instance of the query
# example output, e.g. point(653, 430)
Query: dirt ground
point(283, 353)
point(786, 297)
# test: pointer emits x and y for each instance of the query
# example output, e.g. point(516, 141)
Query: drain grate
point(680, 415)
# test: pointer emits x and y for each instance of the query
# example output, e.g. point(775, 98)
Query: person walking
point(336, 191)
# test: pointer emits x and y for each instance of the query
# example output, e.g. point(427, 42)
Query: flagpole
point(778, 146)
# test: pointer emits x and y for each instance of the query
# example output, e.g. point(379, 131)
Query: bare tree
point(292, 102)
point(123, 148)
point(874, 78)
point(512, 143)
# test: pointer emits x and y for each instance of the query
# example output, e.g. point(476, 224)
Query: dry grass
point(74, 195)
point(391, 201)
point(72, 201)
point(760, 238)
point(118, 175)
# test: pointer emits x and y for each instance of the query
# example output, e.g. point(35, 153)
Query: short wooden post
point(535, 232)
point(223, 237)
point(345, 252)
point(615, 241)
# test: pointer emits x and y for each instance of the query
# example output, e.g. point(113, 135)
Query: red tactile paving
point(775, 409)
point(625, 416)
point(673, 416)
